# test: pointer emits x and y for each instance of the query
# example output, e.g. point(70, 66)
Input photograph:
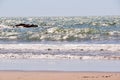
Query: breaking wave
point(61, 28)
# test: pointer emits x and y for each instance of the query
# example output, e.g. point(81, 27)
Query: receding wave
point(49, 56)
point(60, 51)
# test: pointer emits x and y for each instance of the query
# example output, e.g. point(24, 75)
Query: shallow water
point(59, 65)
point(60, 51)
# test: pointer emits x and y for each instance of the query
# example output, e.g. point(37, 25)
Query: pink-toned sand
point(21, 75)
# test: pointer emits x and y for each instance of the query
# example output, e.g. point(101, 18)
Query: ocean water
point(71, 42)
point(61, 30)
point(94, 29)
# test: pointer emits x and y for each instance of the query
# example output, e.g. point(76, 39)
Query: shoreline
point(60, 51)
point(58, 75)
point(59, 71)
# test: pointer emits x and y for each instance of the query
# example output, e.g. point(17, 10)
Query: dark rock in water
point(26, 25)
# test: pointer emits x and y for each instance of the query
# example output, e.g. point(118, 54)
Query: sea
point(76, 43)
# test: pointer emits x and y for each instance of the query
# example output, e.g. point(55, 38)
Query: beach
point(56, 75)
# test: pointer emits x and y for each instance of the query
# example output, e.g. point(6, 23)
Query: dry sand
point(44, 75)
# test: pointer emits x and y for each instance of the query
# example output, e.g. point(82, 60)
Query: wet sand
point(56, 75)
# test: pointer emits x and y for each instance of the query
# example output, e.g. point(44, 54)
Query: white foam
point(85, 47)
point(48, 56)
point(4, 26)
point(95, 49)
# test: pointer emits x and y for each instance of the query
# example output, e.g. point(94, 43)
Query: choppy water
point(60, 30)
point(79, 29)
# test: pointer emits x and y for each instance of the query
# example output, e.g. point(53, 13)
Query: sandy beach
point(49, 75)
